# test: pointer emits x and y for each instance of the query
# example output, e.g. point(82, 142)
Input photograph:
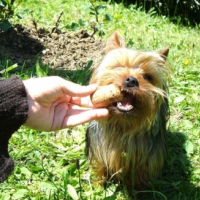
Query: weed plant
point(53, 165)
point(7, 12)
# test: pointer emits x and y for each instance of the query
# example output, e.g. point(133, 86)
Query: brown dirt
point(60, 50)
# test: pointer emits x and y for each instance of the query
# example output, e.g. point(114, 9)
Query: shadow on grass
point(179, 12)
point(20, 44)
point(175, 183)
point(66, 54)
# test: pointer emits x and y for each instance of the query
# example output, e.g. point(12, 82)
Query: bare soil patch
point(60, 50)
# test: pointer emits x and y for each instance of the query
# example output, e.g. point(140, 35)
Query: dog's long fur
point(130, 146)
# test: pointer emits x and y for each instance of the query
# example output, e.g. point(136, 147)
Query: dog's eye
point(147, 77)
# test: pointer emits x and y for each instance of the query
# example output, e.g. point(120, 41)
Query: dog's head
point(141, 77)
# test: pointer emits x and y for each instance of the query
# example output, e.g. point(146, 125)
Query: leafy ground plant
point(53, 165)
point(7, 11)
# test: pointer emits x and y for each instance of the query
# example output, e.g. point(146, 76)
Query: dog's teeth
point(130, 107)
point(119, 103)
point(124, 108)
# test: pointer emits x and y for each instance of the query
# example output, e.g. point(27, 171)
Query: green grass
point(46, 162)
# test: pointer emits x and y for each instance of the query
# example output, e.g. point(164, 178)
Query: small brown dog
point(130, 144)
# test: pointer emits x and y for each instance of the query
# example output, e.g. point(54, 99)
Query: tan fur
point(130, 146)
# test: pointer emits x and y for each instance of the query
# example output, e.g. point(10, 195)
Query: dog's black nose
point(131, 82)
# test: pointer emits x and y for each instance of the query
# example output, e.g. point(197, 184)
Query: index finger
point(76, 90)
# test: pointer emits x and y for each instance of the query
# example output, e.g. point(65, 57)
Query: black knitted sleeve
point(13, 113)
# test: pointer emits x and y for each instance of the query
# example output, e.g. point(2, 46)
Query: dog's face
point(139, 75)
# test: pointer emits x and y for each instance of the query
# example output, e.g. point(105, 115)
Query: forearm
point(13, 113)
point(13, 105)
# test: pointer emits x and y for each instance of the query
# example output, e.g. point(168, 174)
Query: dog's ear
point(164, 52)
point(115, 41)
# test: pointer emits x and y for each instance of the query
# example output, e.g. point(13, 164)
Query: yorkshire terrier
point(130, 144)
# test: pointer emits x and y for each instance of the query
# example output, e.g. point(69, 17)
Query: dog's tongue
point(125, 105)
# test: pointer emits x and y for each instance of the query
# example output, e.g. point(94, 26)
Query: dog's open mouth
point(126, 105)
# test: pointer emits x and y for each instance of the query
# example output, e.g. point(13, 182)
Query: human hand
point(54, 104)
